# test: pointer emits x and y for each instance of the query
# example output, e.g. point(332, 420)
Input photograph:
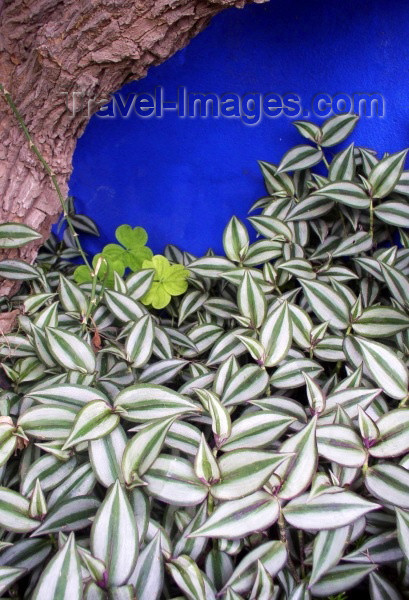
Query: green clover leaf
point(133, 250)
point(169, 280)
point(83, 274)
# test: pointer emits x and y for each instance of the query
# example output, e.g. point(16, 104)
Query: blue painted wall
point(182, 179)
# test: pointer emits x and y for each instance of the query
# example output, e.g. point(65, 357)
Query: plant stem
point(46, 166)
point(324, 160)
point(371, 218)
point(284, 539)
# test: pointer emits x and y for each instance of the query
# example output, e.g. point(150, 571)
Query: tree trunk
point(52, 49)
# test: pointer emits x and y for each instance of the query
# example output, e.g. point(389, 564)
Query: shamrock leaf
point(83, 274)
point(133, 250)
point(169, 280)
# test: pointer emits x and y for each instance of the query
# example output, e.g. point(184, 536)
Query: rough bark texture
point(50, 49)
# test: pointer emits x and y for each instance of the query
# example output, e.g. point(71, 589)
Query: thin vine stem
point(9, 100)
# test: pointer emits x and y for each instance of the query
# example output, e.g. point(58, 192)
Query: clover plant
point(250, 440)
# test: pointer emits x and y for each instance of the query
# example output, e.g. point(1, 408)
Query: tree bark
point(51, 49)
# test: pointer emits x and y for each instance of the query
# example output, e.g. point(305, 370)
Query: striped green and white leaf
point(394, 212)
point(48, 422)
point(211, 266)
point(251, 301)
point(271, 228)
point(276, 182)
point(337, 128)
point(397, 283)
point(382, 548)
point(183, 436)
point(221, 421)
point(368, 428)
point(61, 578)
point(238, 518)
point(402, 523)
point(48, 317)
point(8, 576)
point(341, 578)
point(66, 394)
point(235, 239)
point(380, 588)
point(227, 345)
point(386, 368)
point(33, 303)
point(139, 344)
point(203, 337)
point(262, 251)
point(346, 193)
point(162, 371)
point(380, 321)
point(340, 444)
point(240, 478)
point(256, 430)
point(349, 400)
point(386, 174)
point(15, 235)
point(38, 504)
point(315, 395)
point(243, 472)
point(276, 335)
point(205, 465)
point(72, 298)
point(328, 550)
point(299, 267)
point(312, 207)
point(282, 407)
point(393, 434)
point(191, 303)
point(309, 130)
point(18, 270)
point(326, 511)
point(298, 472)
point(14, 512)
point(123, 306)
point(138, 284)
point(114, 536)
point(172, 479)
point(247, 384)
point(49, 470)
point(105, 455)
point(389, 483)
point(8, 442)
point(218, 566)
point(143, 449)
point(188, 577)
point(272, 555)
point(80, 482)
point(147, 577)
point(69, 514)
point(300, 157)
point(290, 373)
point(263, 587)
point(326, 303)
point(301, 325)
point(95, 420)
point(70, 351)
point(342, 167)
point(186, 544)
point(353, 244)
point(144, 402)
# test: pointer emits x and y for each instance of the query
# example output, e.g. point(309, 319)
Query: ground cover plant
point(218, 427)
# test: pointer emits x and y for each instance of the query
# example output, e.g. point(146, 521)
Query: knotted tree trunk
point(52, 49)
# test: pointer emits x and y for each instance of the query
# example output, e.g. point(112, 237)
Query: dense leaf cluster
point(249, 441)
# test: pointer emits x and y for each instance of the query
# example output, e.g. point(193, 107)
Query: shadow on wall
point(182, 177)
